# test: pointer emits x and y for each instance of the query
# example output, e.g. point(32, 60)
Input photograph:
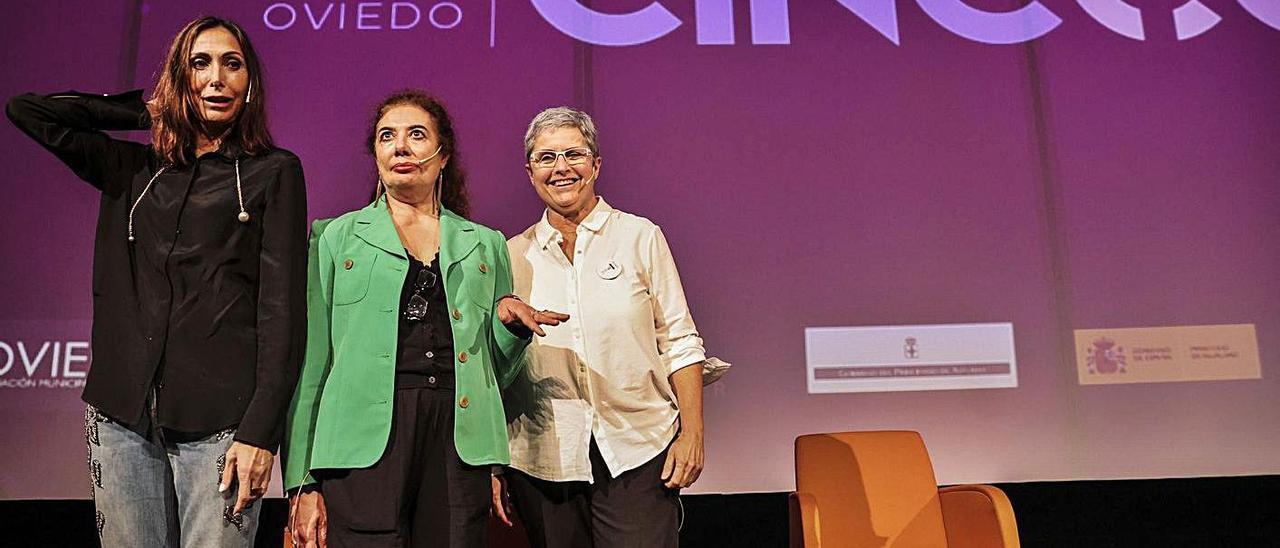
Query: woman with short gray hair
point(562, 117)
point(606, 422)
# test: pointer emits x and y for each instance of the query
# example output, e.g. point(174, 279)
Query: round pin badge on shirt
point(610, 271)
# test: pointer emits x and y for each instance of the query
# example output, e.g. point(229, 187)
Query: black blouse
point(425, 344)
point(208, 311)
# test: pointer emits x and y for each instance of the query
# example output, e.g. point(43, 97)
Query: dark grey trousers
point(633, 510)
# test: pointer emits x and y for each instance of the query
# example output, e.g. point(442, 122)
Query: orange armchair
point(877, 489)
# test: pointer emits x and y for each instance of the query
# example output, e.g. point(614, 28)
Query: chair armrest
point(804, 521)
point(978, 516)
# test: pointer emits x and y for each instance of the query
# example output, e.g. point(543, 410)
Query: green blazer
point(341, 411)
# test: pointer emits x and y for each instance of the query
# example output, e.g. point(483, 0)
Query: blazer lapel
point(375, 227)
point(457, 238)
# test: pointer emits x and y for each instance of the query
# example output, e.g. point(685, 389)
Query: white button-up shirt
point(603, 373)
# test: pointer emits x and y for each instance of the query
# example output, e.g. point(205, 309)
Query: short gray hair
point(558, 117)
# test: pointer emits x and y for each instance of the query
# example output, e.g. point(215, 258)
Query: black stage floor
point(1195, 512)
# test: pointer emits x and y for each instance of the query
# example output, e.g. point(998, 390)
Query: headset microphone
point(433, 155)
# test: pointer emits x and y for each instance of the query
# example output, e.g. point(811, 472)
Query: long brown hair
point(453, 191)
point(174, 130)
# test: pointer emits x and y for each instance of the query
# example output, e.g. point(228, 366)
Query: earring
point(248, 96)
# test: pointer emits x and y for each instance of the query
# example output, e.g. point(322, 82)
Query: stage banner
point(910, 357)
point(1167, 354)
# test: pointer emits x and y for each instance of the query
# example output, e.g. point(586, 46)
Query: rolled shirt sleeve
point(678, 342)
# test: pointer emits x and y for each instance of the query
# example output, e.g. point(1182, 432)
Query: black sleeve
point(71, 125)
point(308, 488)
point(282, 308)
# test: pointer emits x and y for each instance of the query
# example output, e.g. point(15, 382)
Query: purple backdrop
point(1082, 179)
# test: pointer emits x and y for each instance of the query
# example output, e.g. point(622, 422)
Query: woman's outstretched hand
point(517, 315)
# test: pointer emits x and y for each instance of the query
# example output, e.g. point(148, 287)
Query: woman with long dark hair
point(198, 290)
point(412, 330)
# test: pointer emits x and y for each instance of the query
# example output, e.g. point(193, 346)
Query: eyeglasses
point(548, 158)
point(417, 308)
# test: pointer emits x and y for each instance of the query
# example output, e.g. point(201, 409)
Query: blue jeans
point(151, 493)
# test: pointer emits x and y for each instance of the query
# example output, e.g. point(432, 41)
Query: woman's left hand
point(501, 502)
point(515, 313)
point(684, 461)
point(250, 467)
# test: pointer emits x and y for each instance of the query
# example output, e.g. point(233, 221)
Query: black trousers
point(634, 510)
point(419, 494)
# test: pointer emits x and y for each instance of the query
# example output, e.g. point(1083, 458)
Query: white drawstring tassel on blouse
point(242, 217)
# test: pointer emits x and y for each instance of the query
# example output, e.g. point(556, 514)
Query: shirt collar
point(546, 234)
point(229, 150)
